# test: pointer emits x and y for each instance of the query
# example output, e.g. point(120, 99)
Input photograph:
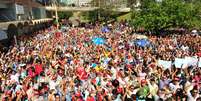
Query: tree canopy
point(161, 15)
point(65, 15)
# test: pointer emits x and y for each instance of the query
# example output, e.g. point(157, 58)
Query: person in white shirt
point(52, 84)
point(192, 94)
point(174, 86)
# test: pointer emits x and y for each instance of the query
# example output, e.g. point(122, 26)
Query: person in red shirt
point(31, 72)
point(199, 54)
point(38, 68)
point(90, 98)
point(58, 34)
point(77, 97)
point(82, 74)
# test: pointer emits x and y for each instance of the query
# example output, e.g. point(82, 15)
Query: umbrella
point(105, 30)
point(98, 41)
point(142, 42)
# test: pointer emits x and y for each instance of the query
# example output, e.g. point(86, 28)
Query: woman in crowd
point(68, 66)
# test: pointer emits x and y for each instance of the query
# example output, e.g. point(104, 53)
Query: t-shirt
point(143, 92)
point(163, 83)
point(153, 89)
point(38, 68)
point(52, 84)
point(174, 87)
point(191, 98)
point(90, 99)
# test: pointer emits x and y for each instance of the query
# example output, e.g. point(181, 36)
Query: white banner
point(179, 62)
point(199, 63)
point(191, 61)
point(165, 64)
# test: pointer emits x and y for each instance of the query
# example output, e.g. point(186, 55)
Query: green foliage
point(65, 15)
point(104, 13)
point(107, 14)
point(92, 15)
point(155, 16)
point(100, 14)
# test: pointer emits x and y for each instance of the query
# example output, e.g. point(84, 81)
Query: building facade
point(17, 10)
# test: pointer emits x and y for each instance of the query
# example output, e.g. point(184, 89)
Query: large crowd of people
point(55, 65)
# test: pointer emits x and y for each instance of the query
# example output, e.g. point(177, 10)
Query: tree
point(156, 16)
point(105, 11)
point(65, 15)
point(100, 14)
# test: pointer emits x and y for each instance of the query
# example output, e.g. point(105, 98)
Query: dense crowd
point(67, 66)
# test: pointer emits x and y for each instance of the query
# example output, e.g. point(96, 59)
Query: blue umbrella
point(98, 41)
point(94, 65)
point(105, 29)
point(142, 42)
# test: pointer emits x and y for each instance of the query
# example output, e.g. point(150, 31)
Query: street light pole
point(99, 5)
point(56, 14)
point(78, 3)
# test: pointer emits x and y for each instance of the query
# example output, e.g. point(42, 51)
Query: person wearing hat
point(143, 91)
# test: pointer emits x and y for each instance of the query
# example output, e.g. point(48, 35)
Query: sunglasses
point(195, 92)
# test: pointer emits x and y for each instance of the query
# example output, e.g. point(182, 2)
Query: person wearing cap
point(143, 91)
